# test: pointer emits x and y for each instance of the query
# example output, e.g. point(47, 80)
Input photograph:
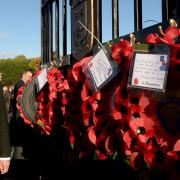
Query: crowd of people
point(26, 154)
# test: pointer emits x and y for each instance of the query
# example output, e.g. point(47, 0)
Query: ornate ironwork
point(89, 13)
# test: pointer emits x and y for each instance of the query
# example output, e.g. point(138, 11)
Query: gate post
point(115, 19)
point(137, 15)
point(170, 9)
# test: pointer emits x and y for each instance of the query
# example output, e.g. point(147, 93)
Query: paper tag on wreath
point(41, 80)
point(149, 68)
point(100, 70)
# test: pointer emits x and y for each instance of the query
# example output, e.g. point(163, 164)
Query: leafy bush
point(12, 69)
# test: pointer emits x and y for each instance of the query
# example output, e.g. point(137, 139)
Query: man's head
point(26, 75)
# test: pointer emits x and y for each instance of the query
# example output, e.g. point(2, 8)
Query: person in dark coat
point(5, 150)
point(22, 138)
point(26, 76)
point(17, 125)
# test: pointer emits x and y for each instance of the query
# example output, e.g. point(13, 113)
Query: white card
point(100, 68)
point(41, 79)
point(150, 71)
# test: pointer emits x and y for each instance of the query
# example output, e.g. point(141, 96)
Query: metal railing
point(89, 12)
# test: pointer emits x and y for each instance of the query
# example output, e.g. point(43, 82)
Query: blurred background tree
point(20, 57)
point(35, 63)
point(12, 69)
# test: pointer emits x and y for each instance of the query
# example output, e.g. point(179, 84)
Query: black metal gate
point(89, 13)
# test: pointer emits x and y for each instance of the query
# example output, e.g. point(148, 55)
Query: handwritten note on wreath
point(150, 70)
point(41, 80)
point(100, 68)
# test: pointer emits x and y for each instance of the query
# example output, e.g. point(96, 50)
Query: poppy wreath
point(73, 112)
point(114, 123)
point(124, 125)
point(51, 102)
point(109, 119)
point(148, 140)
point(18, 105)
point(19, 98)
point(94, 125)
point(157, 136)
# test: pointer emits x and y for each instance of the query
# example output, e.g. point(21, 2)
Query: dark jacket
point(17, 124)
point(4, 128)
point(18, 85)
point(21, 134)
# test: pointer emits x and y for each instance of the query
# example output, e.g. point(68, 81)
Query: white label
point(150, 70)
point(42, 79)
point(100, 68)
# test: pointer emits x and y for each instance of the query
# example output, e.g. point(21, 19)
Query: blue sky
point(19, 28)
point(20, 24)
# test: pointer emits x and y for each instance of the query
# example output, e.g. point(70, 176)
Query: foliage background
point(12, 69)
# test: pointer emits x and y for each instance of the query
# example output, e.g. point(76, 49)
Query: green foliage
point(20, 57)
point(11, 69)
point(34, 63)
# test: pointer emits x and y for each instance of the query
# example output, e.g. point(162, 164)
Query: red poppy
point(123, 48)
point(77, 69)
point(153, 38)
point(177, 145)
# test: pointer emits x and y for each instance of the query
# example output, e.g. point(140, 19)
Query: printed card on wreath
point(100, 70)
point(149, 69)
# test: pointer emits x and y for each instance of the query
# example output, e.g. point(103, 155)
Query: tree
point(12, 69)
point(34, 63)
point(20, 57)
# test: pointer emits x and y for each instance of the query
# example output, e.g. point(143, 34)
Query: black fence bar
point(99, 19)
point(46, 60)
point(115, 19)
point(64, 27)
point(86, 9)
point(165, 14)
point(50, 33)
point(137, 15)
point(177, 8)
point(57, 31)
point(46, 2)
point(44, 35)
point(170, 9)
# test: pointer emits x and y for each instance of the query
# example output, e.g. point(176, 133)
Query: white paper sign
point(42, 79)
point(150, 70)
point(100, 68)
